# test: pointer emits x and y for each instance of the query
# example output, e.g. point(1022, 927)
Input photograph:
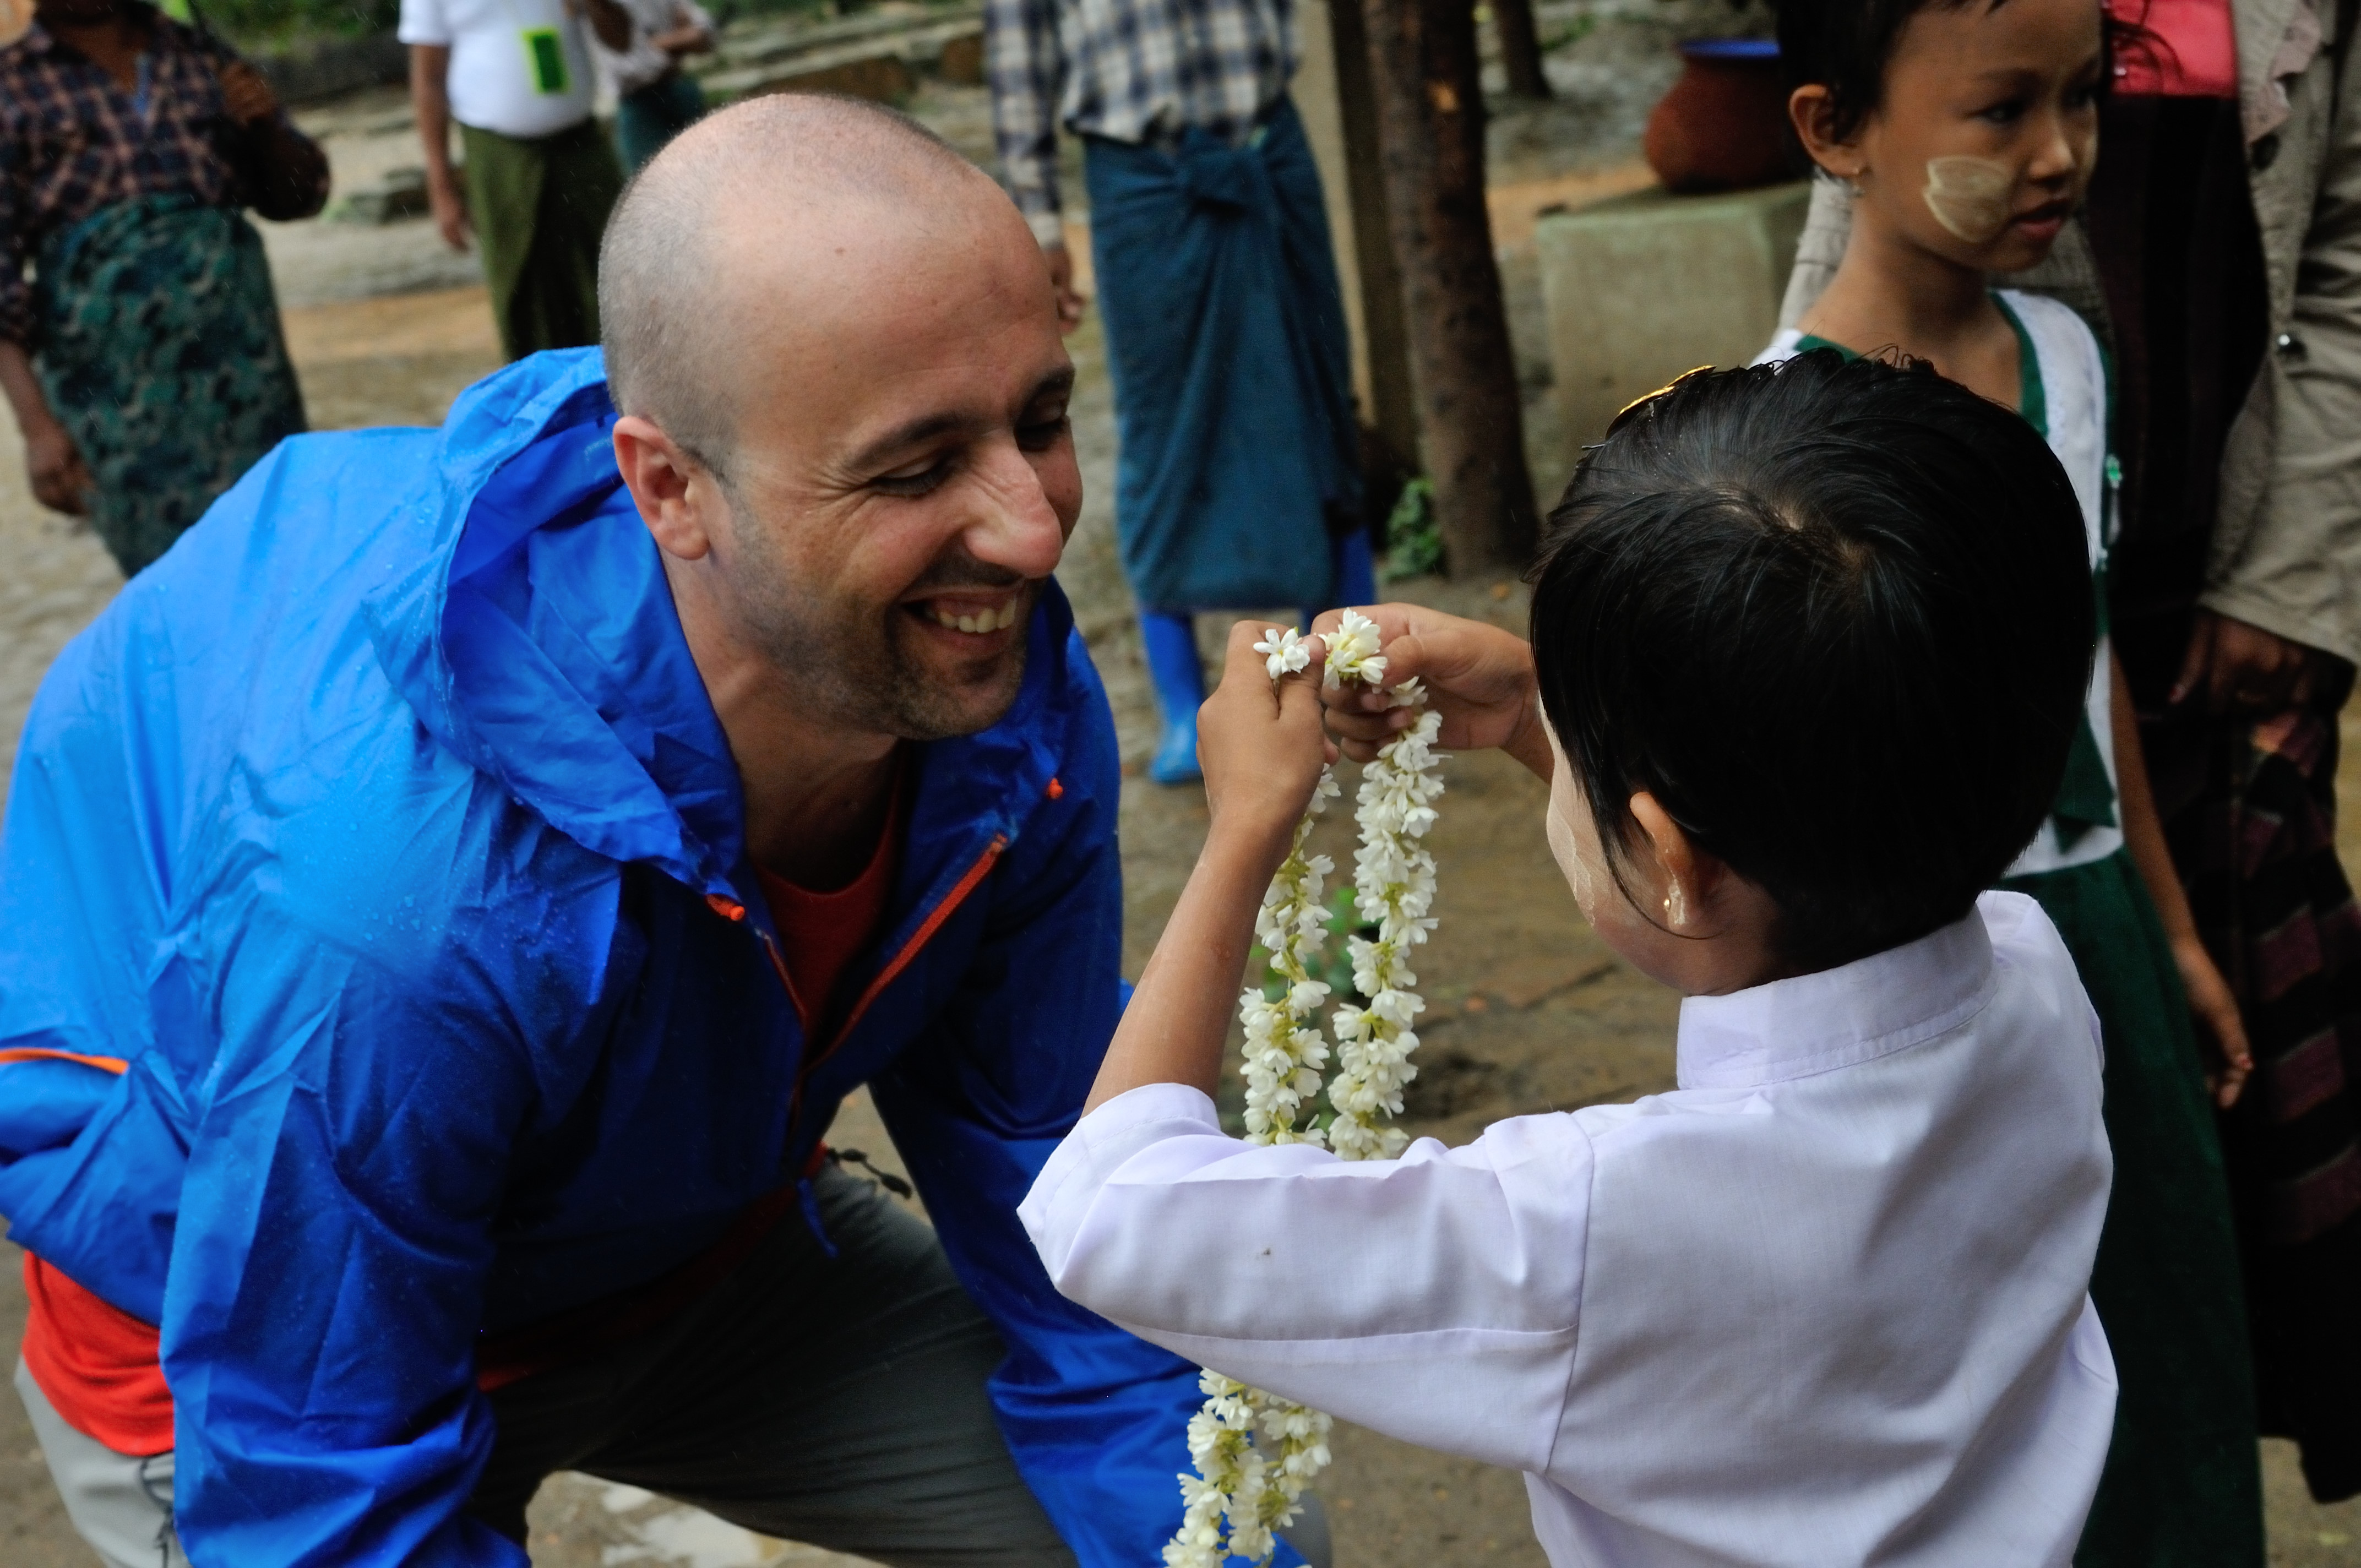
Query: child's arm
point(1478, 677)
point(2209, 995)
point(1433, 1296)
point(1262, 750)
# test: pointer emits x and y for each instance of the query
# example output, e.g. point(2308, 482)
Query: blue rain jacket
point(384, 830)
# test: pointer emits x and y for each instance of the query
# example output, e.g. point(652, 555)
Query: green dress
point(2183, 1487)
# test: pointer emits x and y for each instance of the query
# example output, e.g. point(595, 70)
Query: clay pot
point(1723, 127)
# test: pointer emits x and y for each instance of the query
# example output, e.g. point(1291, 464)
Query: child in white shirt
point(1811, 642)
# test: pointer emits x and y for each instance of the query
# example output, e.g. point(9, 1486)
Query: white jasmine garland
point(1255, 1453)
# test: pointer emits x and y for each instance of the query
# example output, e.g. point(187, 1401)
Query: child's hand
point(1478, 677)
point(2223, 1031)
point(1260, 745)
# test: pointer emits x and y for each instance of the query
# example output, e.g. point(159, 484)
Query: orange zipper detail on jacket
point(115, 1065)
point(885, 976)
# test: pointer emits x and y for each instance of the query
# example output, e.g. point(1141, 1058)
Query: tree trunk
point(1520, 48)
point(1471, 417)
point(1392, 412)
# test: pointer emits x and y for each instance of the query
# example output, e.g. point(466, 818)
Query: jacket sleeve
point(16, 206)
point(336, 1219)
point(281, 173)
point(1097, 1419)
point(1024, 63)
point(2287, 549)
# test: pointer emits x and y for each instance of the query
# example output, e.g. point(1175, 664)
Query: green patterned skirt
point(2183, 1486)
point(160, 352)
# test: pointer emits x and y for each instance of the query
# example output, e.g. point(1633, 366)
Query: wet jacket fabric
point(381, 968)
point(2285, 551)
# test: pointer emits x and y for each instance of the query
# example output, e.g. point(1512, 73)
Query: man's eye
point(1042, 434)
point(2007, 111)
point(913, 482)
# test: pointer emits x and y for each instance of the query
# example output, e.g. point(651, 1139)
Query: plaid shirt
point(73, 141)
point(1135, 70)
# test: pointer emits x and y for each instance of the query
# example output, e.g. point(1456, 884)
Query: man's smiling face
point(902, 480)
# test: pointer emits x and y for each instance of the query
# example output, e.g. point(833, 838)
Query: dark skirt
point(2183, 1483)
point(540, 208)
point(160, 352)
point(2248, 806)
point(1227, 344)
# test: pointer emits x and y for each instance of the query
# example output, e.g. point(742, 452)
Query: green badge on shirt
point(543, 47)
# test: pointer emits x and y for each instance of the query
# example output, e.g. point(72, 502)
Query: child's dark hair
point(1846, 45)
point(1837, 618)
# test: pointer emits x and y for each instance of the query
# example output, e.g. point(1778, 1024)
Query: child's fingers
point(1240, 662)
point(1369, 729)
point(1299, 701)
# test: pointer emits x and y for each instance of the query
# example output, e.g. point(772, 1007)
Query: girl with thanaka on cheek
point(1967, 132)
point(1811, 645)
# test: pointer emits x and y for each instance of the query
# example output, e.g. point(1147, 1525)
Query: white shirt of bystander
point(518, 66)
point(1825, 1304)
point(627, 70)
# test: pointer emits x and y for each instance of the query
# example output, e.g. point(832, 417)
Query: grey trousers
point(121, 1505)
point(839, 1402)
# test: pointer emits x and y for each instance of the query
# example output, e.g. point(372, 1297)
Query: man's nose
point(1015, 527)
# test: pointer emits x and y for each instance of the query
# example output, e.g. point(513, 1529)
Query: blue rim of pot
point(1730, 48)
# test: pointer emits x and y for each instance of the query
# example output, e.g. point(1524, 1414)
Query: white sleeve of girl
point(1431, 1297)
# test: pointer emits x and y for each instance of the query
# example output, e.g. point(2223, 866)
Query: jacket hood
point(536, 637)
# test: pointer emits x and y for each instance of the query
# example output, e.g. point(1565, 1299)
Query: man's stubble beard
point(854, 663)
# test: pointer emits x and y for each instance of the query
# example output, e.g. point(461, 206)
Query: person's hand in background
point(53, 462)
point(247, 96)
point(1070, 303)
point(2236, 667)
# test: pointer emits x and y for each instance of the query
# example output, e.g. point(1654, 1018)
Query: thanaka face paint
point(1969, 196)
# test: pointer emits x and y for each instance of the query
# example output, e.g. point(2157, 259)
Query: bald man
point(442, 903)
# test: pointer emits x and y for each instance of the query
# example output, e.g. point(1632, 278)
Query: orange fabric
point(114, 1065)
point(98, 1365)
point(2185, 49)
point(821, 933)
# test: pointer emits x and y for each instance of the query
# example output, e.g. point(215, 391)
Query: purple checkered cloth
point(1133, 70)
point(73, 141)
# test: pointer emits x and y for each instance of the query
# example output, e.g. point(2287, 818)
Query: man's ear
point(1812, 112)
point(1691, 876)
point(675, 492)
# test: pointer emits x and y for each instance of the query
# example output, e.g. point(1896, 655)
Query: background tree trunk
point(1471, 417)
point(1392, 413)
point(1520, 48)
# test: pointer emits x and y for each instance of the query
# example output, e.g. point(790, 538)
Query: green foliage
point(264, 25)
point(1413, 541)
point(1574, 32)
point(1344, 921)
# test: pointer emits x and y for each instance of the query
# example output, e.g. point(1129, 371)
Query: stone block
point(864, 71)
point(1640, 288)
point(961, 63)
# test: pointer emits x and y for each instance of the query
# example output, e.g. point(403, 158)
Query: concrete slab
point(1640, 288)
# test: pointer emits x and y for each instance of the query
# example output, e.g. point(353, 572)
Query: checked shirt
point(1133, 70)
point(73, 141)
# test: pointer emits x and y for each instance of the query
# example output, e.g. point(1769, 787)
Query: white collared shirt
point(1824, 1304)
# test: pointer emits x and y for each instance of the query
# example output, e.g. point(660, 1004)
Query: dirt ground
point(1528, 1010)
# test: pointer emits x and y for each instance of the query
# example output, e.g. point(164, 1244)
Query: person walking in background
point(144, 362)
point(2212, 255)
point(655, 100)
point(1236, 481)
point(540, 177)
